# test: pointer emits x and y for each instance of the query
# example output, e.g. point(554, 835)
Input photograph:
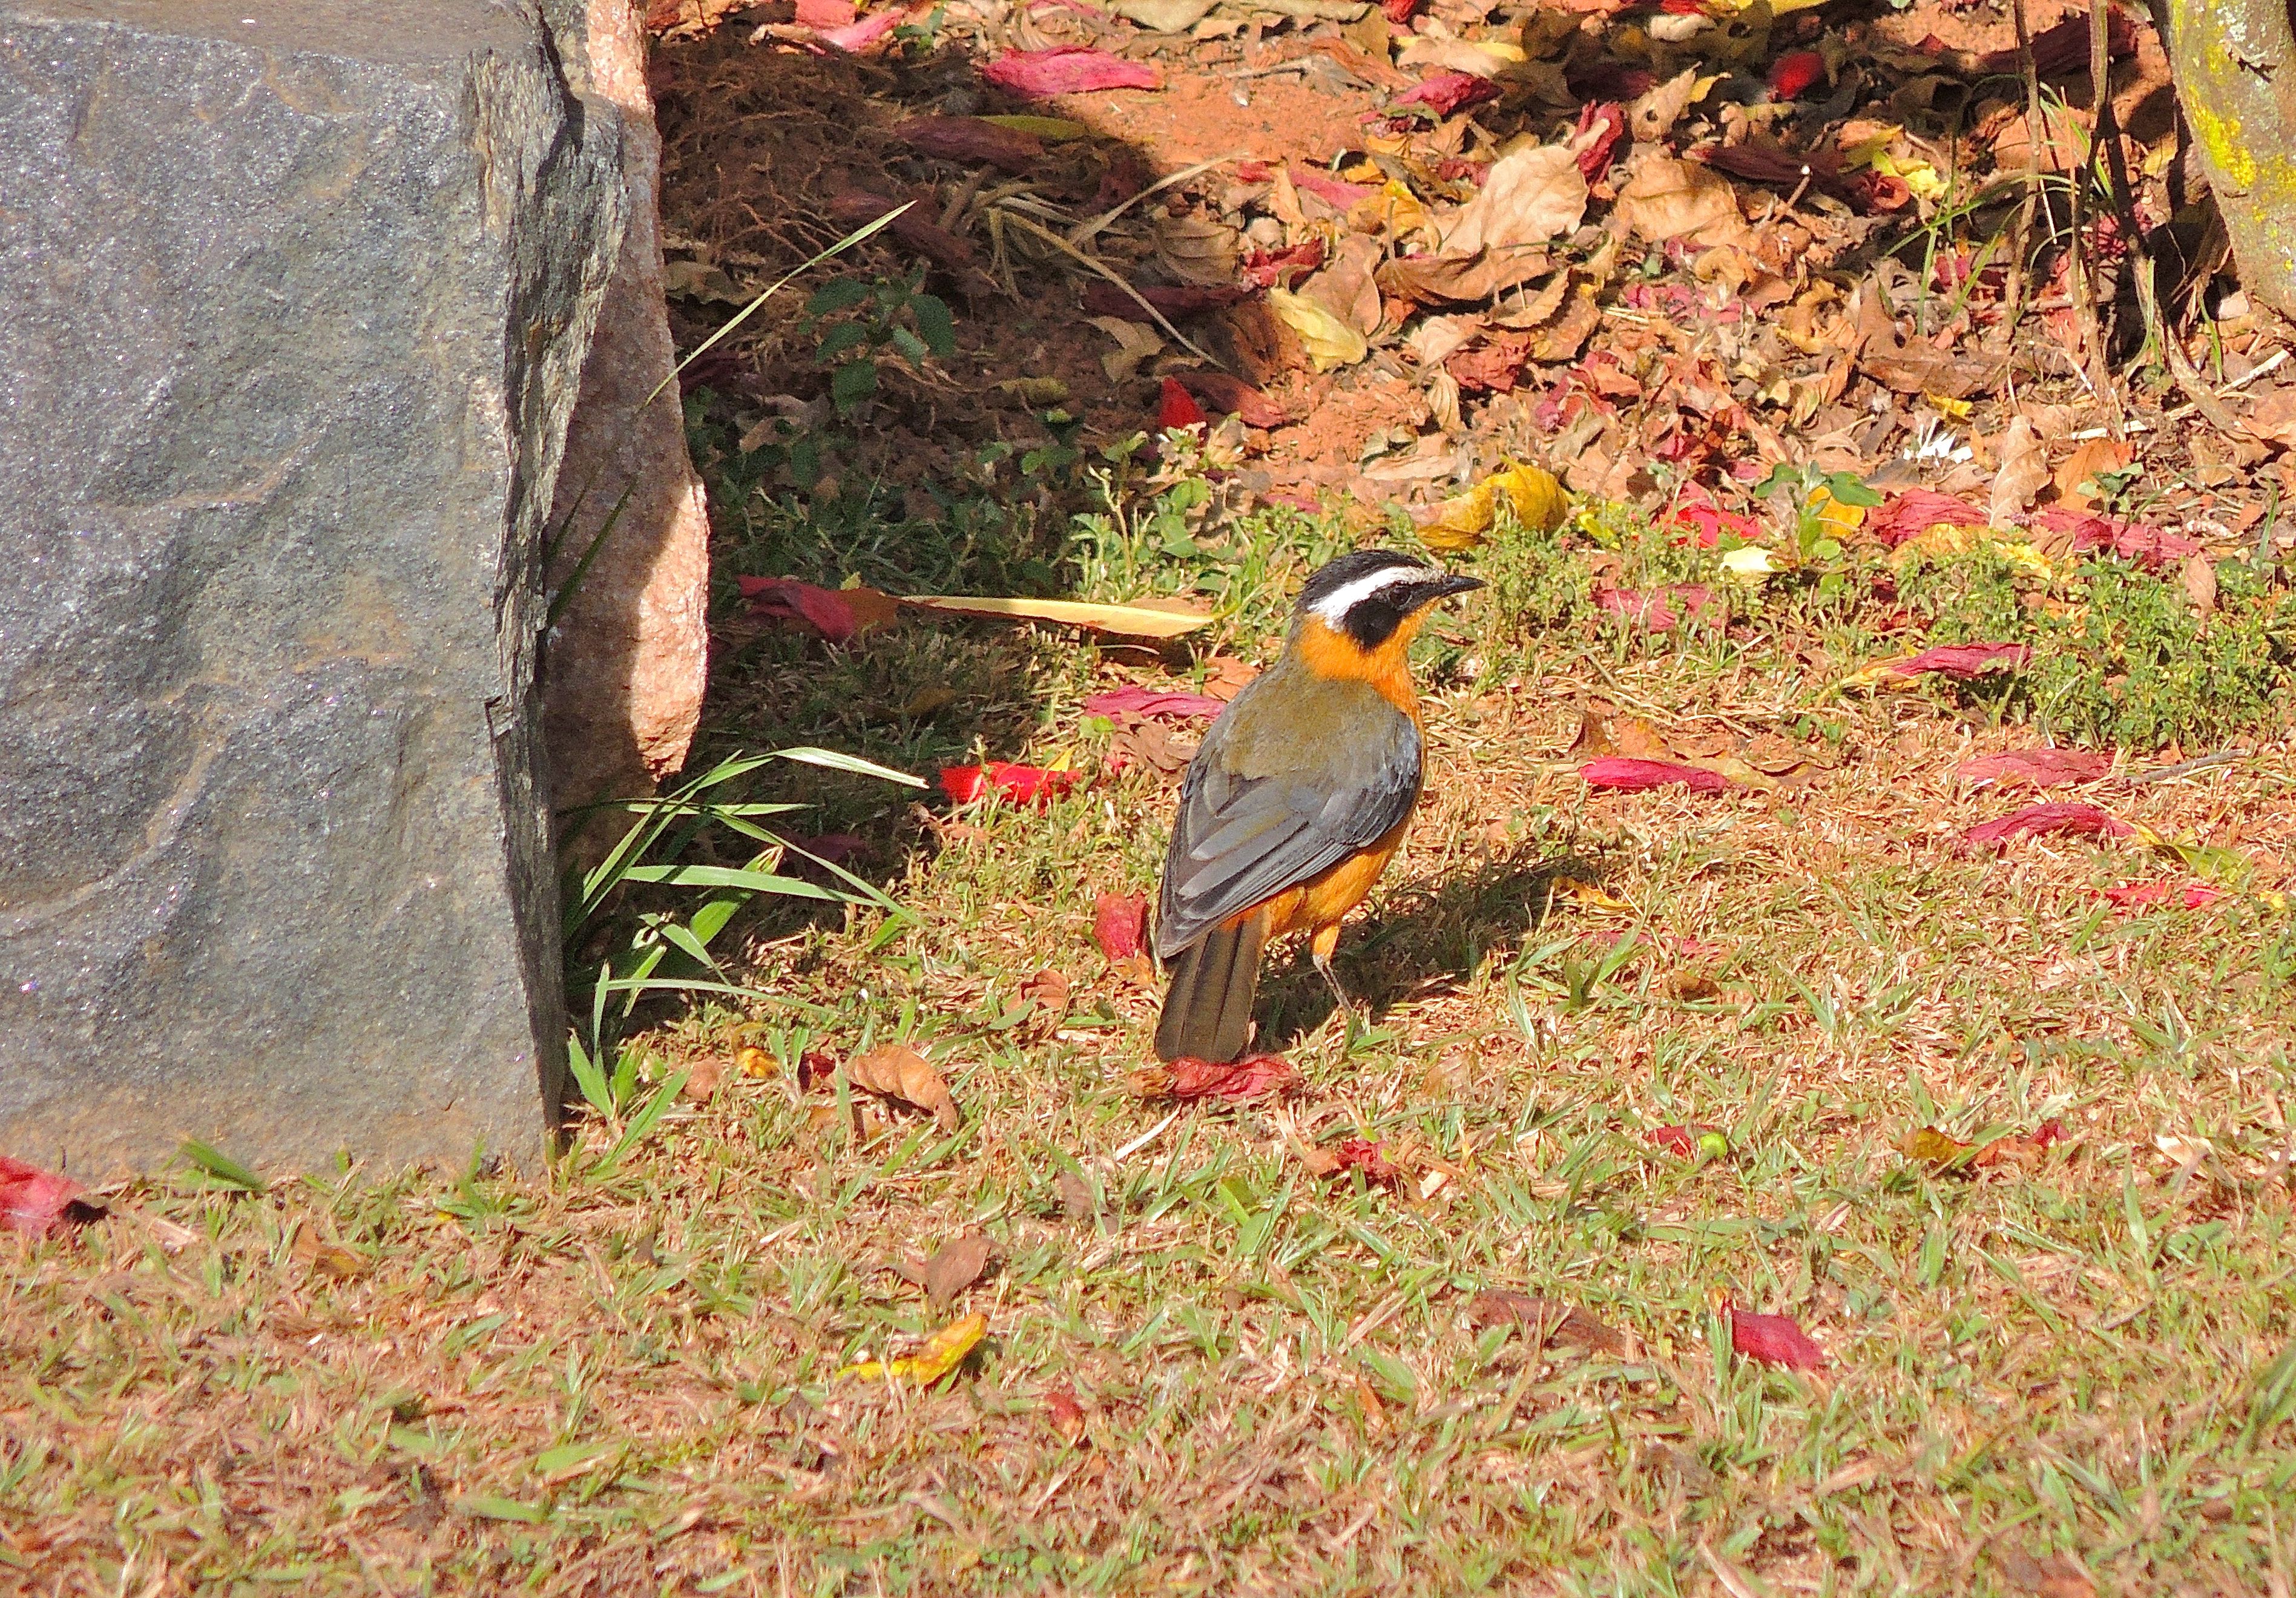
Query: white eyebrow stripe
point(1334, 606)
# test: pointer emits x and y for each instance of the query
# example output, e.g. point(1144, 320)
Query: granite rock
point(623, 669)
point(294, 300)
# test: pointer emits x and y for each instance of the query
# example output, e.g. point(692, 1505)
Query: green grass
point(621, 1375)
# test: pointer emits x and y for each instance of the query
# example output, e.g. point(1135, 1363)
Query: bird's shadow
point(1428, 938)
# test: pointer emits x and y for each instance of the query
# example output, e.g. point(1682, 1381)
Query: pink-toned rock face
point(623, 671)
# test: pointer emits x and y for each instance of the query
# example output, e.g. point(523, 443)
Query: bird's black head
point(1371, 593)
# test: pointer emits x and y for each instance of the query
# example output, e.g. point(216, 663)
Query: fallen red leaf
point(1176, 408)
point(2064, 48)
point(913, 227)
point(1120, 923)
point(1036, 74)
point(2077, 816)
point(1336, 191)
point(1235, 1081)
point(2195, 896)
point(1021, 784)
point(973, 139)
point(1698, 513)
point(1067, 1414)
point(1654, 607)
point(1795, 71)
point(1399, 11)
point(2040, 767)
point(1218, 391)
point(1137, 700)
point(785, 599)
point(856, 37)
point(1362, 1154)
point(1104, 298)
point(1446, 92)
point(1964, 660)
point(2151, 547)
point(1912, 513)
point(1682, 1140)
point(1631, 775)
point(1281, 268)
point(2049, 1133)
point(1607, 121)
point(823, 13)
point(834, 848)
point(1773, 1340)
point(41, 1203)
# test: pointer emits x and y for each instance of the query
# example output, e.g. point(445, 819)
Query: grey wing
point(1240, 842)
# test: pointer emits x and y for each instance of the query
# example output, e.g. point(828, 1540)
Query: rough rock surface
point(293, 300)
point(623, 669)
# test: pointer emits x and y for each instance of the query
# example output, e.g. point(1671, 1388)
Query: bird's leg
point(1319, 949)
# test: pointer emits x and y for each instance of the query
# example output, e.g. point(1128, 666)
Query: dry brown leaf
point(956, 1265)
point(1196, 250)
point(2024, 473)
point(2098, 454)
point(701, 1079)
point(1667, 198)
point(2201, 584)
point(1346, 287)
point(1544, 1321)
point(1049, 990)
point(2272, 417)
point(1529, 197)
point(1652, 116)
point(1913, 366)
point(897, 1071)
point(1469, 278)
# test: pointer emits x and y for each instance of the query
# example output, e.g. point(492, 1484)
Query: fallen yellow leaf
point(1329, 341)
point(1594, 896)
point(1835, 513)
point(1137, 621)
point(1059, 130)
point(943, 1352)
point(1943, 540)
point(1537, 500)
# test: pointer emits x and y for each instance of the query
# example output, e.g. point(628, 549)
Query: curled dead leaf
point(893, 1071)
point(1544, 1322)
point(956, 1265)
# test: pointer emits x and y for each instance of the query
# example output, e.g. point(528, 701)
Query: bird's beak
point(1445, 588)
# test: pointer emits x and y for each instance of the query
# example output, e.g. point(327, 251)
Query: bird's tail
point(1207, 1008)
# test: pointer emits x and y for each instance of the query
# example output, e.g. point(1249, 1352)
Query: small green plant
point(2119, 655)
point(1814, 495)
point(644, 919)
point(860, 324)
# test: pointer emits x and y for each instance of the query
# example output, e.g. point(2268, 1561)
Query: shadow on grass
point(1422, 941)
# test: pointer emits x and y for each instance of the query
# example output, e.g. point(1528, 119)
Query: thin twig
point(1083, 232)
point(2182, 768)
point(1094, 264)
point(2014, 296)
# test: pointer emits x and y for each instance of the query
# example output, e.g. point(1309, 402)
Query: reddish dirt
point(1826, 312)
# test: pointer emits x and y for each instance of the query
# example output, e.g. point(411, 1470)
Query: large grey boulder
point(293, 301)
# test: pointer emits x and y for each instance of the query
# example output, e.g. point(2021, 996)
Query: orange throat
point(1329, 653)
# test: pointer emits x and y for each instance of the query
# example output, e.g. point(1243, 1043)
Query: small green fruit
point(1712, 1145)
